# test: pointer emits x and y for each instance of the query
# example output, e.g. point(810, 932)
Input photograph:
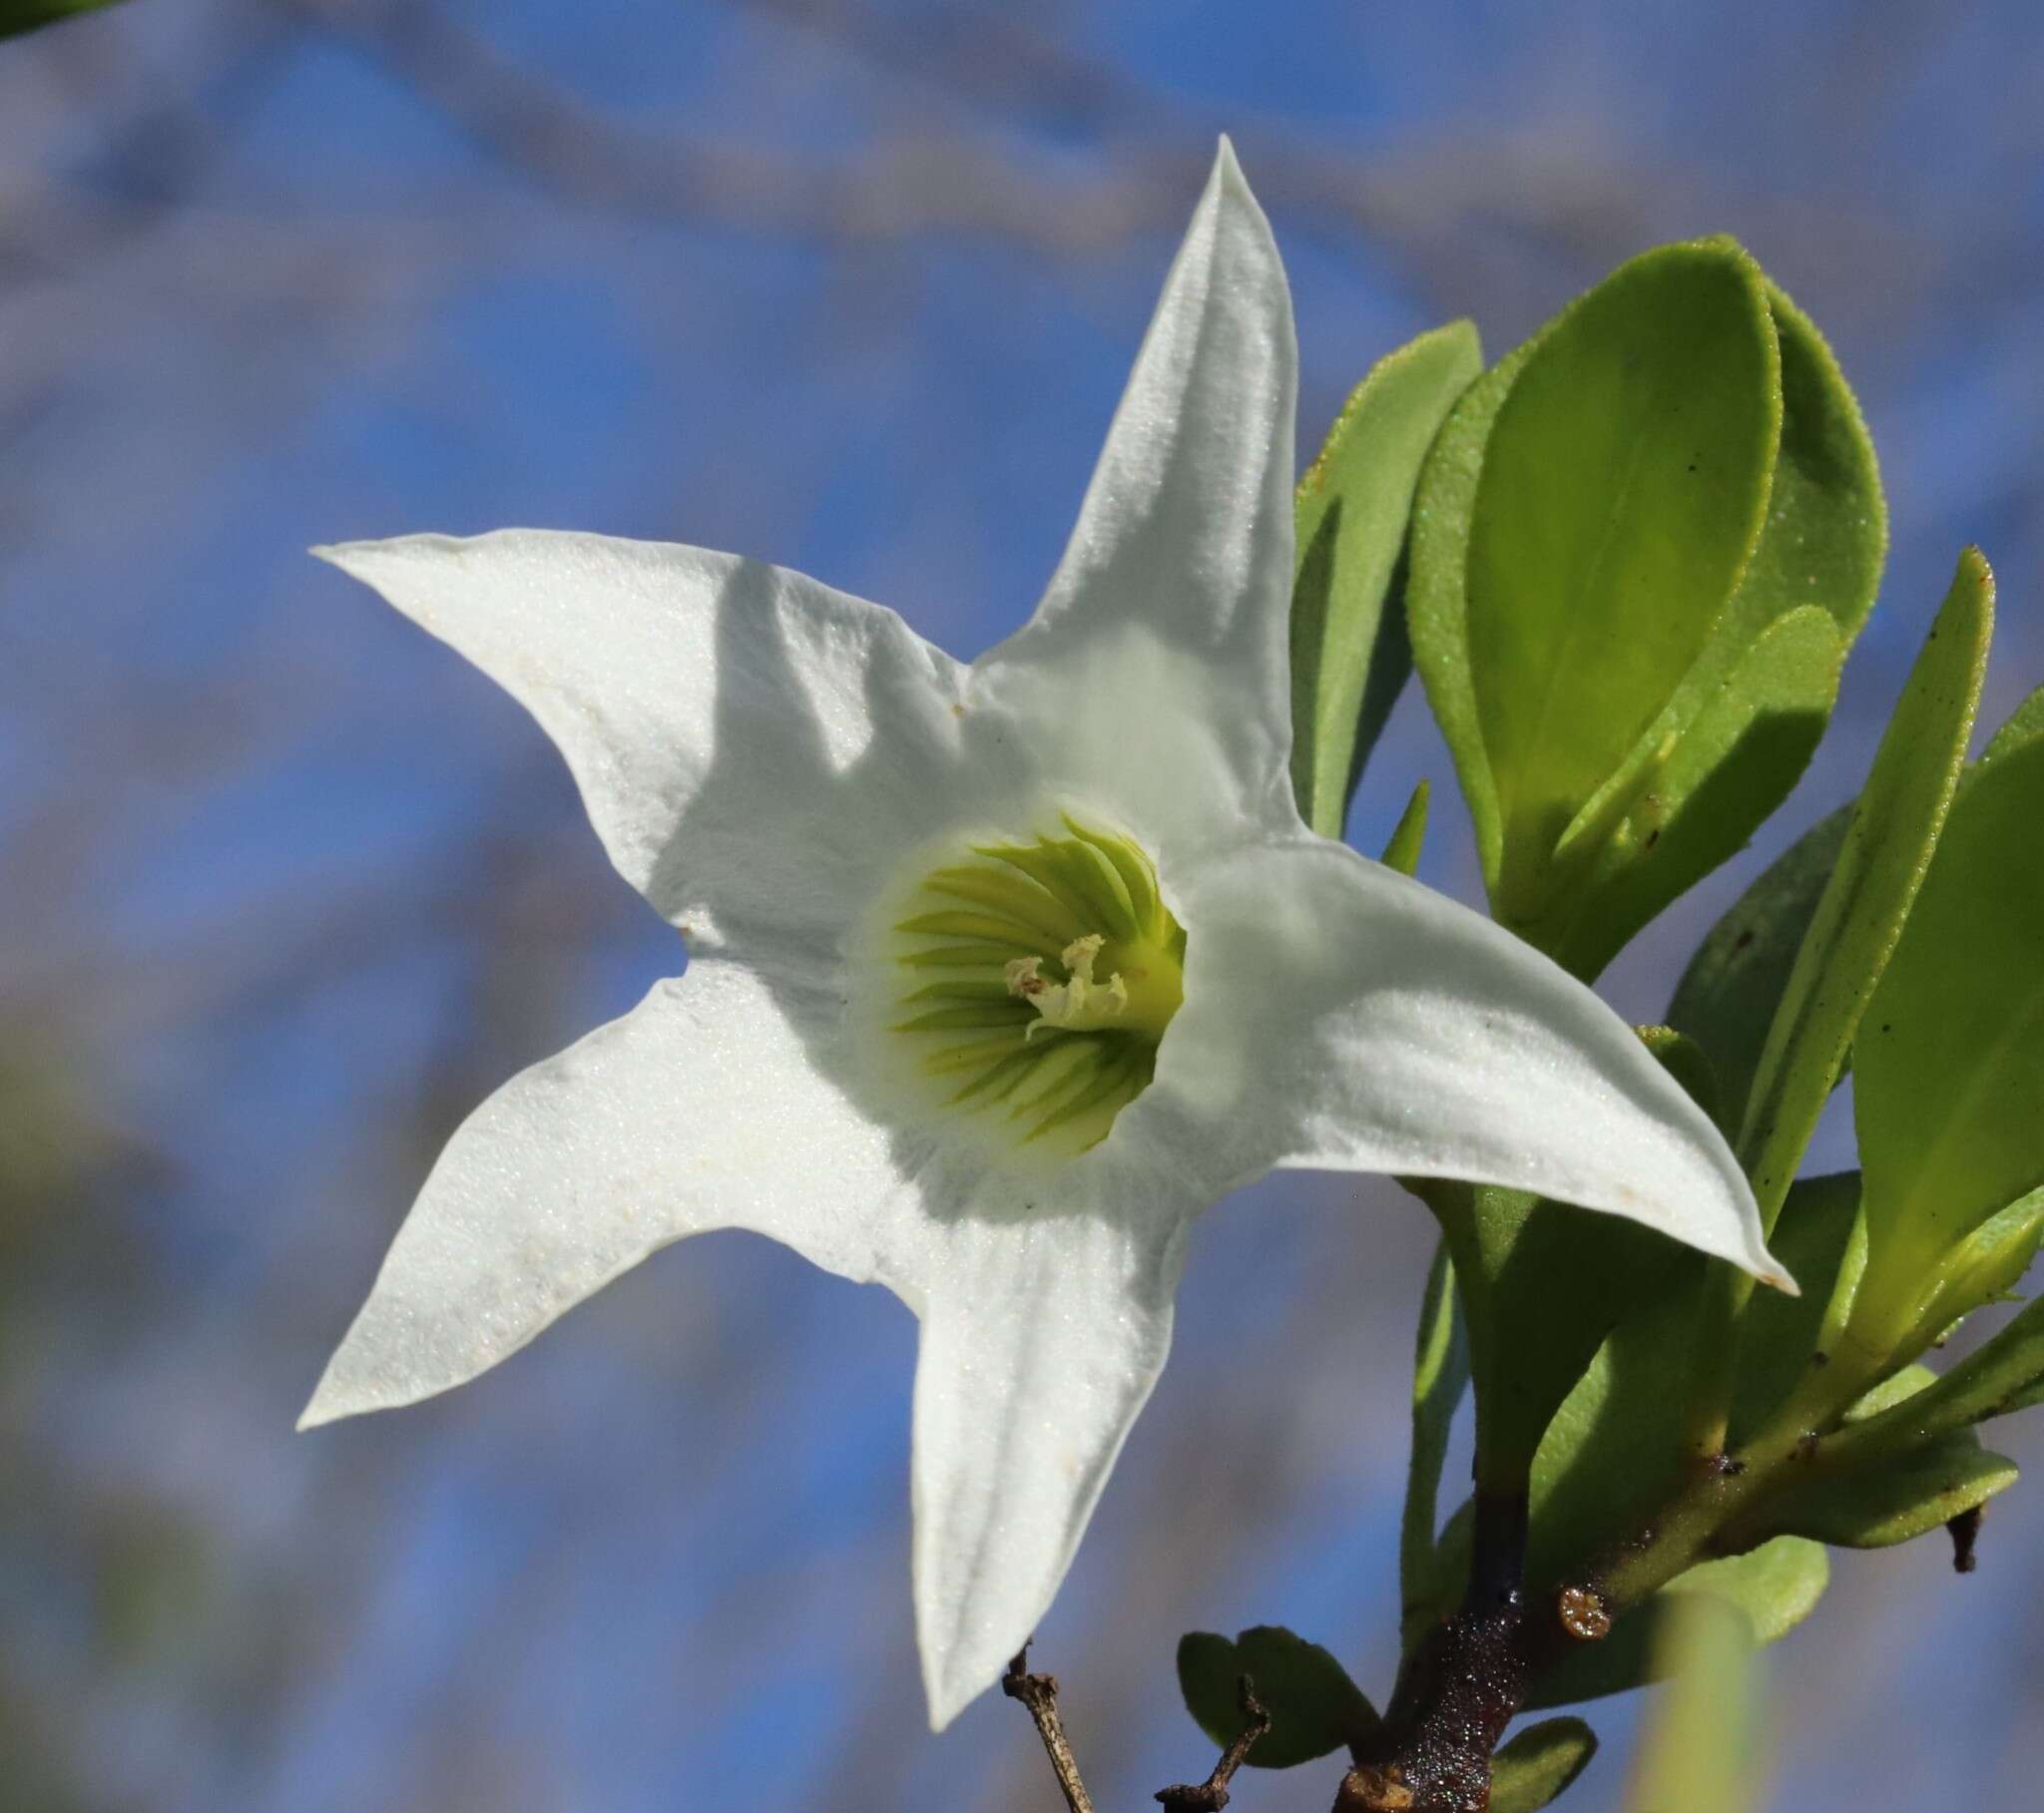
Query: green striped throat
point(1037, 980)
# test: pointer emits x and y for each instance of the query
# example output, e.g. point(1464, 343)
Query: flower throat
point(1039, 980)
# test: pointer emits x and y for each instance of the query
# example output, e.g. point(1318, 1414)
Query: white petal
point(1042, 1336)
point(747, 740)
point(1160, 653)
point(1338, 1016)
point(702, 1107)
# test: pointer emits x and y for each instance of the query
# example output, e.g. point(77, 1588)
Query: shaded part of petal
point(699, 1110)
point(1339, 1015)
point(1159, 652)
point(751, 746)
point(1042, 1335)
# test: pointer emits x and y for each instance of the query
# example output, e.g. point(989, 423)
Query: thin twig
point(1211, 1795)
point(1039, 1693)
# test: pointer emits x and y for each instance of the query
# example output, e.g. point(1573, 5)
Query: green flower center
point(1038, 979)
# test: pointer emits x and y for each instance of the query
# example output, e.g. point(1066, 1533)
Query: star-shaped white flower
point(999, 974)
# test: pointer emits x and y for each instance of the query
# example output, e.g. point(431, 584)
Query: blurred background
point(285, 888)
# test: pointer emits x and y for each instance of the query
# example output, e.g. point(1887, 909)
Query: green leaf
point(1352, 508)
point(2005, 1373)
point(1614, 1449)
point(18, 16)
point(1728, 995)
point(2025, 723)
point(1440, 1374)
point(1409, 834)
point(1540, 1765)
point(1314, 1707)
point(1733, 764)
point(1779, 1337)
point(1949, 1091)
point(1886, 1495)
point(1880, 866)
point(1775, 1587)
point(1696, 1755)
point(1623, 490)
point(1543, 1283)
point(1436, 598)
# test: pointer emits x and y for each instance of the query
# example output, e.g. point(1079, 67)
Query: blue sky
point(851, 287)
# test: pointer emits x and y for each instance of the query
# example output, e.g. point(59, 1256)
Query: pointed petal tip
point(949, 1691)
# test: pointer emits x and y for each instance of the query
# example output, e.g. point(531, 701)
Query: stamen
point(1047, 973)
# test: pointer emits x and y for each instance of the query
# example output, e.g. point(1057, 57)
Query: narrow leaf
point(1728, 996)
point(1540, 1765)
point(1352, 508)
point(1892, 1498)
point(1882, 865)
point(1409, 834)
point(1437, 598)
point(1440, 1374)
point(1951, 1062)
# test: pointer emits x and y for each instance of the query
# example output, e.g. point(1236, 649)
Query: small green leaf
point(1623, 490)
point(1409, 834)
point(1697, 1752)
point(1891, 1499)
point(1440, 1374)
point(1775, 1587)
point(2005, 1373)
point(1951, 1063)
point(18, 16)
point(1540, 1765)
point(1860, 917)
point(1352, 508)
point(1886, 1495)
point(1314, 1707)
point(1728, 995)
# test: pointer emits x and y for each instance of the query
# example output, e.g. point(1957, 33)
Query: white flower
point(998, 974)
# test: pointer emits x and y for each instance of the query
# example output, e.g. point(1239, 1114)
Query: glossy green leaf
point(1440, 1374)
point(1623, 487)
point(1540, 1765)
point(1880, 867)
point(1775, 1588)
point(1409, 834)
point(18, 16)
point(1728, 996)
point(1735, 759)
point(1314, 1707)
point(1697, 1752)
point(1352, 508)
point(1951, 1063)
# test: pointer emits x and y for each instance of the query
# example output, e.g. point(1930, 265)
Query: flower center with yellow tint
point(1037, 982)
